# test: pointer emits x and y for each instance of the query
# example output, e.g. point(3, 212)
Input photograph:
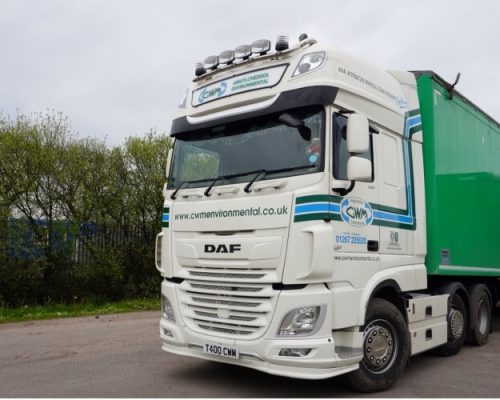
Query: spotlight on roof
point(226, 57)
point(211, 62)
point(261, 47)
point(243, 52)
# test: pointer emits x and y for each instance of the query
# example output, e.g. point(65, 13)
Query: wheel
point(480, 315)
point(457, 323)
point(386, 348)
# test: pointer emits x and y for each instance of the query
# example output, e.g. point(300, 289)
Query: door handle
point(372, 245)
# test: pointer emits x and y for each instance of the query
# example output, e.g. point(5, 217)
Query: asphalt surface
point(120, 356)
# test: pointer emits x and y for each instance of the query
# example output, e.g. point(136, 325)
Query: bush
point(77, 219)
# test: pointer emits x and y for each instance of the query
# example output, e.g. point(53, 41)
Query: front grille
point(225, 309)
point(225, 275)
point(225, 330)
point(225, 288)
point(231, 317)
point(224, 302)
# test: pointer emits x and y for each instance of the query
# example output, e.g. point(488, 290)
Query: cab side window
point(340, 153)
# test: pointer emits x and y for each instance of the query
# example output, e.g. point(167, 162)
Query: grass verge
point(29, 313)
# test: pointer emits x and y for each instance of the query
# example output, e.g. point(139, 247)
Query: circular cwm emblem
point(356, 212)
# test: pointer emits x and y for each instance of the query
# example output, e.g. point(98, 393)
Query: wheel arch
point(390, 284)
point(389, 290)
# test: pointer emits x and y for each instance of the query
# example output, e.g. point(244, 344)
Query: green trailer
point(462, 182)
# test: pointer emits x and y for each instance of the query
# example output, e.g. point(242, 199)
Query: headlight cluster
point(167, 311)
point(302, 321)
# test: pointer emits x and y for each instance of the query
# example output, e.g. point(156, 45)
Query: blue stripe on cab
point(312, 208)
point(385, 216)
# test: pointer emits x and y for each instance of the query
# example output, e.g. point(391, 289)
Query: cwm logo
point(212, 92)
point(356, 212)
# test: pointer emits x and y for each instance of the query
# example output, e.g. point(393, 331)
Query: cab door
point(357, 236)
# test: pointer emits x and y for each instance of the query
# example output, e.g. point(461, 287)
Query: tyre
point(386, 348)
point(457, 326)
point(480, 306)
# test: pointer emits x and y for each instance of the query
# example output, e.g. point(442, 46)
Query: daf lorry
point(324, 216)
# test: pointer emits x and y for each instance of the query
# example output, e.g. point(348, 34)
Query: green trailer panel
point(462, 182)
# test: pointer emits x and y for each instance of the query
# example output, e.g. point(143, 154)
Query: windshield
point(232, 150)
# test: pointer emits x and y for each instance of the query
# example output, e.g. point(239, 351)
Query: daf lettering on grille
point(222, 248)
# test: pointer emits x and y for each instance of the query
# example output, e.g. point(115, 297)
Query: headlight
point(309, 62)
point(167, 311)
point(301, 321)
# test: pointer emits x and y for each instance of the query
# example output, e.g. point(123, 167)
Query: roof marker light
point(226, 57)
point(281, 42)
point(261, 47)
point(303, 36)
point(243, 52)
point(211, 62)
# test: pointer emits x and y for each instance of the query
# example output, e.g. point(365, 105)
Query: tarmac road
point(120, 356)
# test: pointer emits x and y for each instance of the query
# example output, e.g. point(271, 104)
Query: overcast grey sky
point(119, 67)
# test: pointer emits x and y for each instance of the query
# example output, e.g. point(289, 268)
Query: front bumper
point(262, 353)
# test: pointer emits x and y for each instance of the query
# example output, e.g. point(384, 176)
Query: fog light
point(167, 311)
point(168, 332)
point(290, 352)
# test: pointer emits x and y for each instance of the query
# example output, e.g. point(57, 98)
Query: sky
point(118, 68)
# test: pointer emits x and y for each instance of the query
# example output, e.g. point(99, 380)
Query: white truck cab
point(294, 230)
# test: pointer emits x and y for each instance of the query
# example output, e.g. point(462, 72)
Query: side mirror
point(169, 161)
point(358, 134)
point(359, 169)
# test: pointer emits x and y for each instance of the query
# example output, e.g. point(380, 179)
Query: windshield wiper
point(249, 184)
point(173, 196)
point(263, 172)
point(221, 177)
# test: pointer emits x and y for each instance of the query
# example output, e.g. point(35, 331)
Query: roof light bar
point(226, 57)
point(211, 62)
point(243, 52)
point(261, 47)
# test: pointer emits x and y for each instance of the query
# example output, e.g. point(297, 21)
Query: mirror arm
point(343, 191)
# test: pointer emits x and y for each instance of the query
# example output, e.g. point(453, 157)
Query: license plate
point(220, 350)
